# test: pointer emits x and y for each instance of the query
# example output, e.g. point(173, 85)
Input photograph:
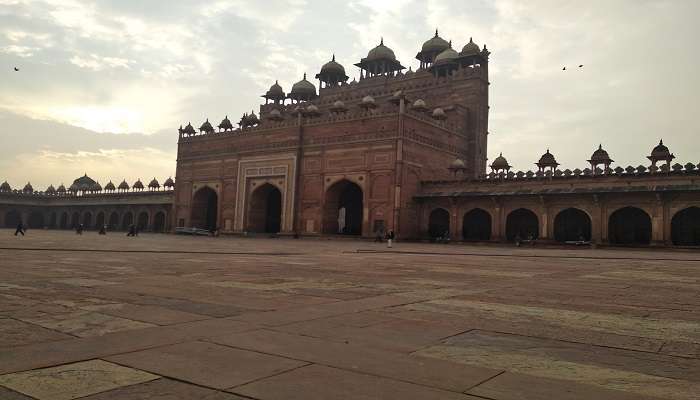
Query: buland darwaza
point(406, 150)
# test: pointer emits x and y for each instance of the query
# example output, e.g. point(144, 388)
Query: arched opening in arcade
point(100, 220)
point(439, 223)
point(343, 210)
point(12, 219)
point(522, 224)
point(265, 209)
point(113, 220)
point(87, 220)
point(36, 220)
point(629, 226)
point(159, 222)
point(75, 220)
point(127, 220)
point(63, 222)
point(572, 225)
point(476, 225)
point(53, 220)
point(685, 227)
point(205, 205)
point(142, 221)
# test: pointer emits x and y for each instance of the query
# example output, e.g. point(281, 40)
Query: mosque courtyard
point(177, 317)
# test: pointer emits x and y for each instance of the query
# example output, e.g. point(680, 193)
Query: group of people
point(133, 230)
point(388, 236)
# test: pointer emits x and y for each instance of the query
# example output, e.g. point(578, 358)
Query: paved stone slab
point(15, 333)
point(163, 389)
point(425, 371)
point(207, 364)
point(7, 394)
point(72, 381)
point(148, 314)
point(322, 383)
point(513, 386)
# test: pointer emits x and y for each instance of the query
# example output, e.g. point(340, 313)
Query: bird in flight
point(16, 69)
point(563, 69)
point(580, 66)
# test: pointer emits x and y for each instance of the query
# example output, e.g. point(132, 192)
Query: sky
point(104, 84)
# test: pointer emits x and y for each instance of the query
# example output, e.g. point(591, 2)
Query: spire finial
point(304, 75)
point(333, 57)
point(501, 155)
point(436, 32)
point(661, 142)
point(600, 146)
point(381, 42)
point(470, 40)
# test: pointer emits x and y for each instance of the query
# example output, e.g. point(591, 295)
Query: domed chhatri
point(332, 74)
point(123, 187)
point(169, 183)
point(457, 166)
point(381, 60)
point(275, 115)
point(661, 153)
point(138, 185)
point(61, 189)
point(153, 185)
point(447, 56)
point(368, 103)
point(547, 161)
point(439, 114)
point(50, 190)
point(600, 157)
point(28, 188)
point(225, 125)
point(302, 91)
point(312, 111)
point(206, 127)
point(338, 107)
point(430, 49)
point(470, 49)
point(5, 187)
point(109, 187)
point(419, 106)
point(84, 184)
point(189, 130)
point(500, 164)
point(274, 94)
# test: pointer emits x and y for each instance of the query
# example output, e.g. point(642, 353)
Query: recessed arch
point(127, 220)
point(63, 222)
point(629, 226)
point(685, 227)
point(75, 220)
point(439, 223)
point(476, 225)
point(100, 220)
point(12, 219)
point(265, 209)
point(205, 203)
point(142, 221)
point(572, 224)
point(113, 220)
point(159, 222)
point(36, 220)
point(343, 210)
point(53, 220)
point(87, 220)
point(522, 223)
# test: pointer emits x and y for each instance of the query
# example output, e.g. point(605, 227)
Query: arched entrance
point(439, 223)
point(75, 220)
point(113, 220)
point(53, 219)
point(204, 209)
point(159, 222)
point(36, 220)
point(685, 227)
point(100, 220)
point(571, 225)
point(63, 223)
point(476, 225)
point(12, 219)
point(142, 221)
point(127, 220)
point(265, 209)
point(343, 210)
point(87, 220)
point(629, 225)
point(522, 223)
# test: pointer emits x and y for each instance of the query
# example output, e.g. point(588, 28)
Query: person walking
point(103, 230)
point(132, 230)
point(389, 238)
point(20, 228)
point(79, 229)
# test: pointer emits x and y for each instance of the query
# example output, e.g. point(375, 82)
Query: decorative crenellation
point(86, 186)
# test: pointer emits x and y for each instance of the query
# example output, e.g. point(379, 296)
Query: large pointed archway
point(343, 209)
point(572, 225)
point(476, 225)
point(265, 210)
point(12, 218)
point(205, 207)
point(630, 226)
point(685, 227)
point(439, 223)
point(522, 223)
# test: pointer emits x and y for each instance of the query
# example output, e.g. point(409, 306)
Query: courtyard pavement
point(171, 317)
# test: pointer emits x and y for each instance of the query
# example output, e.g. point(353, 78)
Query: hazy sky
point(104, 84)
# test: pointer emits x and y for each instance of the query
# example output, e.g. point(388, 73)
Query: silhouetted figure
point(378, 237)
point(79, 229)
point(20, 229)
point(580, 66)
point(132, 230)
point(16, 69)
point(389, 238)
point(563, 69)
point(103, 230)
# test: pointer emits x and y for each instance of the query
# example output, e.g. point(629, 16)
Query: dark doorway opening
point(75, 220)
point(572, 225)
point(343, 211)
point(142, 222)
point(522, 223)
point(127, 221)
point(63, 223)
point(53, 220)
point(100, 220)
point(113, 221)
point(204, 209)
point(630, 226)
point(439, 223)
point(265, 209)
point(36, 220)
point(476, 225)
point(685, 227)
point(159, 222)
point(12, 219)
point(87, 220)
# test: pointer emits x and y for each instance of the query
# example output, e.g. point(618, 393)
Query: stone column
point(597, 217)
point(657, 221)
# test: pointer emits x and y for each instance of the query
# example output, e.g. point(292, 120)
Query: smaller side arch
point(439, 223)
point(685, 227)
point(476, 225)
point(522, 223)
